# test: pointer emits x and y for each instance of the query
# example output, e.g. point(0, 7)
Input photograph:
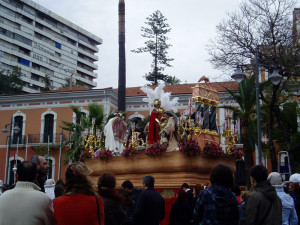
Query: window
point(57, 45)
point(24, 62)
point(17, 138)
point(48, 128)
point(23, 39)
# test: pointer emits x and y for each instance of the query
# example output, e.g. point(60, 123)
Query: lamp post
point(16, 130)
point(275, 78)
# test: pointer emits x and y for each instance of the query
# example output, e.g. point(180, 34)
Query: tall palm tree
point(246, 98)
point(122, 58)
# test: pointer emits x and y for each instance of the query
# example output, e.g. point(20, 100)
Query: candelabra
point(188, 126)
point(91, 141)
point(135, 141)
point(230, 137)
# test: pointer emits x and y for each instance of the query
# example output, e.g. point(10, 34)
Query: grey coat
point(263, 206)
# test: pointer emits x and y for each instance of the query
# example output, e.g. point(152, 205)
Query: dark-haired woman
point(181, 211)
point(114, 203)
point(79, 204)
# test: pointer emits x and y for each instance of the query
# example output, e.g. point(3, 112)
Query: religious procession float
point(178, 148)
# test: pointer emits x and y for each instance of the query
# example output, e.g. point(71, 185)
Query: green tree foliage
point(74, 83)
point(246, 98)
point(156, 44)
point(48, 84)
point(265, 26)
point(11, 83)
point(171, 80)
point(75, 129)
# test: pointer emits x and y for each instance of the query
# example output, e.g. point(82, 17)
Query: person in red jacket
point(79, 204)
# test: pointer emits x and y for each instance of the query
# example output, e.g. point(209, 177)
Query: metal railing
point(17, 139)
point(44, 138)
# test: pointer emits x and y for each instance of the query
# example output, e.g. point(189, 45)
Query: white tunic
point(110, 142)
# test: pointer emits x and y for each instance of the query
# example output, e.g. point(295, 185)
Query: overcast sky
point(193, 23)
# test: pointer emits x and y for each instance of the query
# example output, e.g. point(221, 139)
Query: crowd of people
point(269, 201)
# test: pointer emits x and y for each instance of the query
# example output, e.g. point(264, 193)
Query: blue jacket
point(150, 208)
point(289, 215)
point(216, 205)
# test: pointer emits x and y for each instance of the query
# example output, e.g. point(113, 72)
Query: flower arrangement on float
point(129, 151)
point(104, 153)
point(86, 154)
point(156, 149)
point(213, 149)
point(237, 153)
point(189, 147)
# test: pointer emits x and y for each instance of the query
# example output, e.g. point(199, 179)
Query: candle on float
point(93, 120)
point(179, 122)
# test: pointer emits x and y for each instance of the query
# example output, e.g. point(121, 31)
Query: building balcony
point(54, 138)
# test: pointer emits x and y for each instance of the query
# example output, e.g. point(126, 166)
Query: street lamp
point(16, 129)
point(275, 78)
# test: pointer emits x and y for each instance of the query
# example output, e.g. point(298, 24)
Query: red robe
point(153, 135)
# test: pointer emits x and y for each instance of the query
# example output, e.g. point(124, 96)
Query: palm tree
point(122, 58)
point(171, 80)
point(246, 98)
point(75, 141)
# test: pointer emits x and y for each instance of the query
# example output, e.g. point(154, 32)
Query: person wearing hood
point(217, 204)
point(263, 206)
point(289, 215)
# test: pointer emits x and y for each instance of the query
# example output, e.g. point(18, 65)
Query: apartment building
point(44, 44)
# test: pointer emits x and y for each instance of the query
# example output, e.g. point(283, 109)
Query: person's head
point(59, 190)
point(182, 196)
point(42, 164)
point(286, 187)
point(77, 179)
point(275, 179)
point(258, 174)
point(168, 114)
point(127, 185)
point(26, 171)
point(197, 189)
point(106, 187)
point(221, 175)
point(148, 182)
point(106, 181)
point(294, 182)
point(185, 186)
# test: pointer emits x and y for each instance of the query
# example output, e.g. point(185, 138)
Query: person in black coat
point(114, 206)
point(181, 211)
point(150, 208)
point(189, 192)
point(131, 195)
